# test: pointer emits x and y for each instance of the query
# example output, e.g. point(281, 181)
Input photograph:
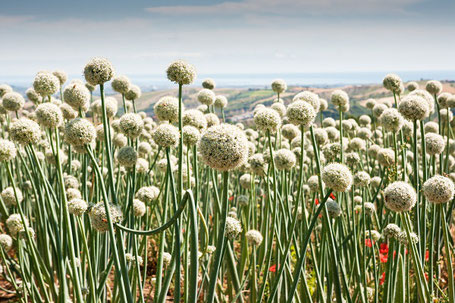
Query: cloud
point(13, 20)
point(285, 7)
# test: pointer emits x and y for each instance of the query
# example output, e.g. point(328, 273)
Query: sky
point(228, 37)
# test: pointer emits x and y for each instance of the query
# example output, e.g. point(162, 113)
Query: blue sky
point(241, 36)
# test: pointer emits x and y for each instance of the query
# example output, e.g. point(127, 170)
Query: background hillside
point(242, 101)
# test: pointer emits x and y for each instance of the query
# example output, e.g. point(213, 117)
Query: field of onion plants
point(100, 203)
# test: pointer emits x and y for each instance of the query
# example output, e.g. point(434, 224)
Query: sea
point(327, 79)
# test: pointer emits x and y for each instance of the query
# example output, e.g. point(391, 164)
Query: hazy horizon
point(257, 80)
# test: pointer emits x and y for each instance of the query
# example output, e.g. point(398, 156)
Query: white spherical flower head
point(220, 101)
point(224, 147)
point(208, 83)
point(139, 208)
point(147, 194)
point(121, 84)
point(76, 95)
point(167, 109)
point(412, 86)
point(49, 115)
point(391, 120)
point(98, 217)
point(254, 237)
point(442, 99)
point(7, 150)
point(15, 224)
point(323, 104)
point(258, 165)
point(233, 227)
point(431, 127)
point(391, 231)
point(98, 71)
point(212, 119)
point(392, 82)
point(364, 120)
point(301, 113)
point(337, 176)
point(439, 189)
point(413, 107)
point(127, 156)
point(194, 118)
point(290, 131)
point(206, 96)
point(191, 135)
point(378, 109)
point(166, 135)
point(370, 103)
point(61, 75)
point(25, 131)
point(400, 196)
point(433, 87)
point(279, 108)
point(339, 98)
point(6, 242)
point(13, 101)
point(133, 93)
point(33, 96)
point(5, 88)
point(426, 96)
point(46, 84)
point(77, 207)
point(79, 131)
point(131, 125)
point(386, 157)
point(328, 122)
point(435, 143)
point(361, 179)
point(310, 98)
point(279, 86)
point(181, 72)
point(267, 119)
point(9, 197)
point(284, 159)
point(68, 112)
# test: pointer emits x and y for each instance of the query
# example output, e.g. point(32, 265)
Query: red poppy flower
point(382, 280)
point(383, 258)
point(316, 201)
point(427, 255)
point(369, 242)
point(231, 198)
point(383, 248)
point(272, 268)
point(332, 196)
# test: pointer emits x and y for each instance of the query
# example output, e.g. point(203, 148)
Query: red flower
point(383, 258)
point(383, 248)
point(394, 254)
point(231, 198)
point(316, 201)
point(382, 280)
point(272, 268)
point(369, 242)
point(332, 196)
point(427, 255)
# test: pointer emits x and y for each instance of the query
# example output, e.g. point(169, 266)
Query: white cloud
point(285, 7)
